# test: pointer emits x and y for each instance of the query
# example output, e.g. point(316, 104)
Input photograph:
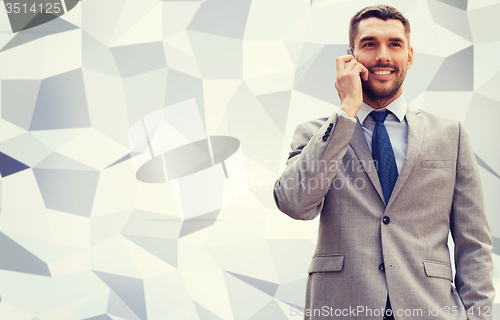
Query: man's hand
point(348, 84)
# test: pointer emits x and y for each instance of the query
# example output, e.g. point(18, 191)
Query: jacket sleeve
point(471, 235)
point(311, 166)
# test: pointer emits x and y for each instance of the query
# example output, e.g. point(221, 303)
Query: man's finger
point(341, 61)
point(351, 65)
point(363, 72)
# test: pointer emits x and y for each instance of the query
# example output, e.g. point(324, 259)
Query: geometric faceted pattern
point(82, 238)
point(10, 166)
point(16, 258)
point(61, 103)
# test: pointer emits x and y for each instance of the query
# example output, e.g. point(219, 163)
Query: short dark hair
point(380, 11)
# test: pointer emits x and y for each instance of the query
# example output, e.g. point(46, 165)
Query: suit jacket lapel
point(360, 147)
point(415, 135)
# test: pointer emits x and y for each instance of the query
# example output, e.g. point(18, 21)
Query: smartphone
point(349, 51)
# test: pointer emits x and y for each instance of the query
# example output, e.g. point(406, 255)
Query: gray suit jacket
point(365, 248)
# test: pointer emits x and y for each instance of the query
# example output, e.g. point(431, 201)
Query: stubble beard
point(377, 94)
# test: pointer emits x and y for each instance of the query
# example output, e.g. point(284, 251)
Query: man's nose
point(383, 54)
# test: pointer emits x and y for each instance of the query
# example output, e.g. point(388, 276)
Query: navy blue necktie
point(383, 155)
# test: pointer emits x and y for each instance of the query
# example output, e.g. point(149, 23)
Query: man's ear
point(410, 57)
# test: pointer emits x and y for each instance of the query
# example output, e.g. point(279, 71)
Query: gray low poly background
point(81, 238)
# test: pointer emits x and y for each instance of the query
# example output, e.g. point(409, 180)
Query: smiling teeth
point(382, 73)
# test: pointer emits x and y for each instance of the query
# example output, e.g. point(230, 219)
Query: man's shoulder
point(433, 119)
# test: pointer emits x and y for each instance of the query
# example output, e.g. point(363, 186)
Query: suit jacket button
point(325, 137)
point(329, 129)
point(381, 267)
point(330, 125)
point(386, 220)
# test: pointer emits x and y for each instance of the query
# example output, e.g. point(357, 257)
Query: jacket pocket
point(438, 269)
point(327, 263)
point(436, 164)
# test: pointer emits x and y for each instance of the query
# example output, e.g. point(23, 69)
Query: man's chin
point(380, 95)
point(380, 92)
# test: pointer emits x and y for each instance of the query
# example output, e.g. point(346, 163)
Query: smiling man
point(390, 182)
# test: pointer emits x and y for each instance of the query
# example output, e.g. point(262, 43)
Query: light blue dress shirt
point(395, 123)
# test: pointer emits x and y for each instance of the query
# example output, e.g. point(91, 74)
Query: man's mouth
point(383, 72)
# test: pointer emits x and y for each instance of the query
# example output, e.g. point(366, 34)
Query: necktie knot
point(379, 116)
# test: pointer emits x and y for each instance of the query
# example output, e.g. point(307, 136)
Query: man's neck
point(379, 103)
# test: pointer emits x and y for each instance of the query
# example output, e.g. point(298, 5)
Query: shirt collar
point(397, 107)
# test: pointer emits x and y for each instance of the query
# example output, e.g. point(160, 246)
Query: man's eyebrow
point(367, 38)
point(396, 39)
point(371, 38)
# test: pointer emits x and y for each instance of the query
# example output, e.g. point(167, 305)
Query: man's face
point(382, 47)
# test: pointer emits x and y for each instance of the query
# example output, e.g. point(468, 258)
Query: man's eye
point(368, 45)
point(396, 44)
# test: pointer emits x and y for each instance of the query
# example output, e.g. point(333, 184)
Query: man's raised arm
point(318, 148)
